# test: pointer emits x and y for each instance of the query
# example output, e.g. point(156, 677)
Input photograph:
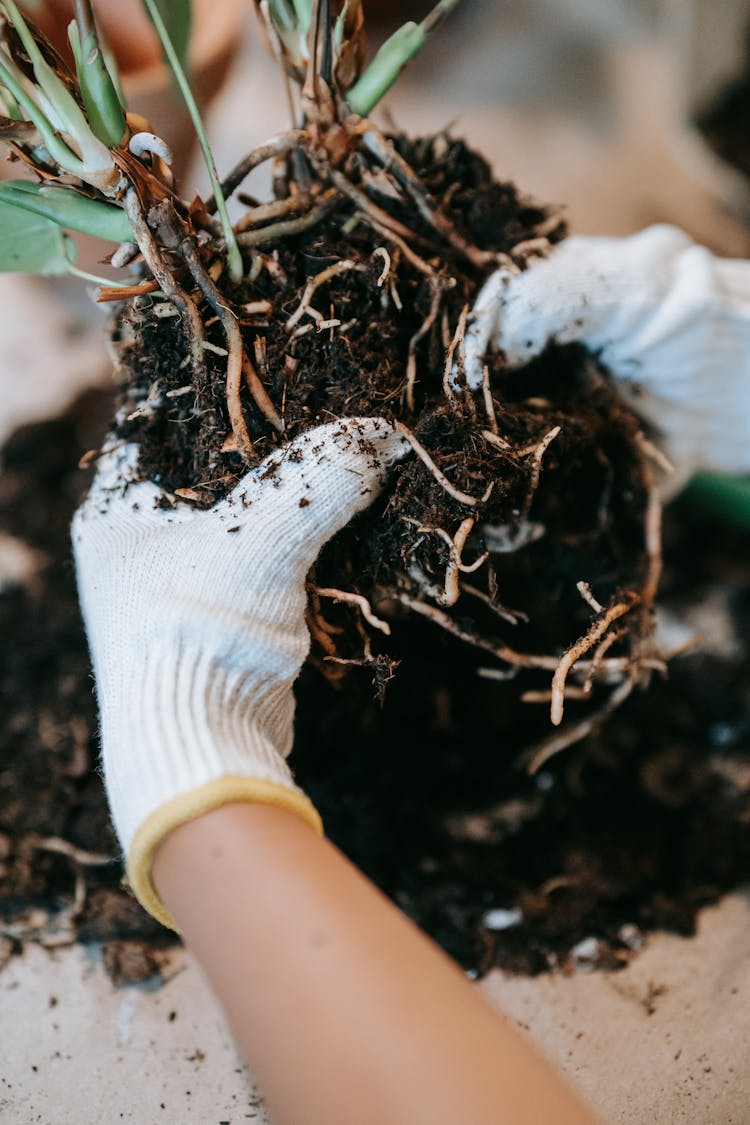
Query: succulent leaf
point(100, 95)
point(67, 208)
point(31, 243)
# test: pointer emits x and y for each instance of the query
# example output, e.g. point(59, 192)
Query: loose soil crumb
point(630, 831)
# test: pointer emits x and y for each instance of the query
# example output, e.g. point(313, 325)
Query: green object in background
point(723, 496)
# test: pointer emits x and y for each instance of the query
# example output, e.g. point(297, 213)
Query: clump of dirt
point(631, 830)
point(520, 522)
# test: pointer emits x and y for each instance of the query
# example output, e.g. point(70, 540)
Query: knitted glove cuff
point(186, 807)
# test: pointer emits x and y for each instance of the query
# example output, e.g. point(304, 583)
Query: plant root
point(314, 284)
point(392, 161)
point(438, 286)
point(459, 496)
point(236, 353)
point(540, 754)
point(288, 228)
point(260, 395)
point(357, 600)
point(580, 648)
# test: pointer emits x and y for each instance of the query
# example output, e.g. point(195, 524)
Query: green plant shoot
point(234, 258)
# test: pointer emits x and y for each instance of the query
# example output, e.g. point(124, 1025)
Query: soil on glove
point(630, 831)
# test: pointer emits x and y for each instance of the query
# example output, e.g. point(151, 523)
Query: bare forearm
point(345, 1011)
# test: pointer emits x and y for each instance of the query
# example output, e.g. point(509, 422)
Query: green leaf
point(176, 17)
point(100, 96)
point(32, 244)
point(385, 68)
point(392, 57)
point(67, 208)
point(52, 108)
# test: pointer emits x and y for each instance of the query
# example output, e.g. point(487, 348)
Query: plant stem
point(234, 257)
point(104, 282)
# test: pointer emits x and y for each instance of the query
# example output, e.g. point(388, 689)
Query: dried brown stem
point(165, 277)
point(125, 292)
point(236, 354)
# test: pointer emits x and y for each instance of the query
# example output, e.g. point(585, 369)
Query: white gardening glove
point(196, 625)
point(666, 317)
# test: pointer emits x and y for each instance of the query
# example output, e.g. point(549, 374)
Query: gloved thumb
point(311, 488)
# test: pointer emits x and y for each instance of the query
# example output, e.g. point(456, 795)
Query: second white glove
point(666, 317)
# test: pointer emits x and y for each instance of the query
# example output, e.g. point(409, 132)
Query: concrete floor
point(664, 1041)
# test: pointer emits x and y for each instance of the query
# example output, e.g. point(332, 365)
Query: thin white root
point(315, 283)
point(449, 384)
point(497, 441)
point(489, 405)
point(536, 470)
point(80, 856)
point(452, 590)
point(358, 600)
point(584, 590)
point(421, 452)
point(541, 754)
point(141, 143)
point(577, 650)
point(382, 252)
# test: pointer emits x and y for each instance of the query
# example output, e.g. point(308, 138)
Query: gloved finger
point(482, 333)
point(118, 481)
point(316, 484)
point(598, 291)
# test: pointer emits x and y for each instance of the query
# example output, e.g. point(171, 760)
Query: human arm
point(197, 631)
point(346, 1012)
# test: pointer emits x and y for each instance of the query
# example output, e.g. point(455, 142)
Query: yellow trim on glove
point(221, 791)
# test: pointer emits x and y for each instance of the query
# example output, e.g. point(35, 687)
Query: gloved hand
point(669, 320)
point(196, 625)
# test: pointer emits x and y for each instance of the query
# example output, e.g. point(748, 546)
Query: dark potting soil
point(564, 476)
point(630, 831)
